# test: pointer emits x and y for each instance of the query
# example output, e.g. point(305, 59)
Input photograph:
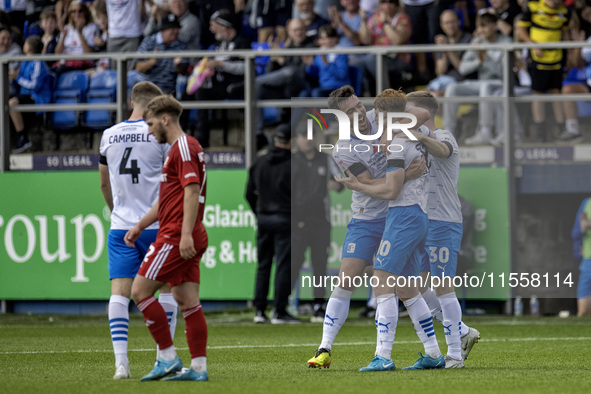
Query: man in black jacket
point(312, 177)
point(268, 192)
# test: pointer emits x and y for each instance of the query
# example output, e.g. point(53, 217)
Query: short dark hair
point(424, 99)
point(329, 30)
point(486, 18)
point(335, 98)
point(35, 43)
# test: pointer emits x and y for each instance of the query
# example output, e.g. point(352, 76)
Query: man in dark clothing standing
point(268, 192)
point(312, 176)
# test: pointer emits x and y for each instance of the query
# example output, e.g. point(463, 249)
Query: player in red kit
point(180, 243)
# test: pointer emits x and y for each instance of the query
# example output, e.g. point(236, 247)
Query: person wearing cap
point(228, 69)
point(163, 71)
point(268, 192)
point(190, 30)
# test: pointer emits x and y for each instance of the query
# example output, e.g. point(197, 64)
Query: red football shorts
point(164, 263)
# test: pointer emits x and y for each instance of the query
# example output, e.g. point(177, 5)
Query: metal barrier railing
point(249, 104)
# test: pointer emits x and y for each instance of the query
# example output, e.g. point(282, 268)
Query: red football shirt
point(185, 164)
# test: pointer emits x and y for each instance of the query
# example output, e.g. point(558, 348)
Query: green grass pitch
point(39, 354)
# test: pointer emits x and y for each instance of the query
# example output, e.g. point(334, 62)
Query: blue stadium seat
point(71, 89)
point(356, 77)
point(103, 89)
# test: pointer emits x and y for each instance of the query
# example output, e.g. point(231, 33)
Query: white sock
point(452, 315)
point(168, 354)
point(372, 302)
point(433, 303)
point(423, 324)
point(199, 364)
point(463, 328)
point(119, 325)
point(386, 322)
point(376, 323)
point(171, 308)
point(572, 126)
point(337, 310)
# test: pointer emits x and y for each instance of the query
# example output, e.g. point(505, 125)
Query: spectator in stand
point(332, 70)
point(321, 7)
point(448, 63)
point(312, 20)
point(369, 6)
point(228, 70)
point(100, 40)
point(488, 64)
point(348, 24)
point(34, 10)
point(125, 24)
point(77, 37)
point(506, 11)
point(576, 86)
point(163, 72)
point(61, 11)
point(190, 31)
point(424, 18)
point(9, 48)
point(388, 26)
point(522, 87)
point(285, 76)
point(270, 18)
point(34, 85)
point(51, 33)
point(16, 10)
point(101, 34)
point(545, 21)
point(204, 9)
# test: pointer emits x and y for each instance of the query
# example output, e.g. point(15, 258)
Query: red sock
point(156, 320)
point(196, 331)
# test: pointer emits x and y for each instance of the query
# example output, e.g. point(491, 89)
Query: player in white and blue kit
point(364, 232)
point(130, 166)
point(401, 246)
point(445, 234)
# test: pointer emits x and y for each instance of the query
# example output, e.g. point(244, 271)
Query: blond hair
point(143, 92)
point(163, 104)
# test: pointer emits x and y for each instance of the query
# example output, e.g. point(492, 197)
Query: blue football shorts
point(442, 248)
point(584, 286)
point(362, 238)
point(124, 261)
point(403, 242)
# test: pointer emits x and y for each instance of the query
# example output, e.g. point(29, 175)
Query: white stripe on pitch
point(297, 345)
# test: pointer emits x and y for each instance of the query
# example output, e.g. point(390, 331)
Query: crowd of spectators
point(147, 26)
